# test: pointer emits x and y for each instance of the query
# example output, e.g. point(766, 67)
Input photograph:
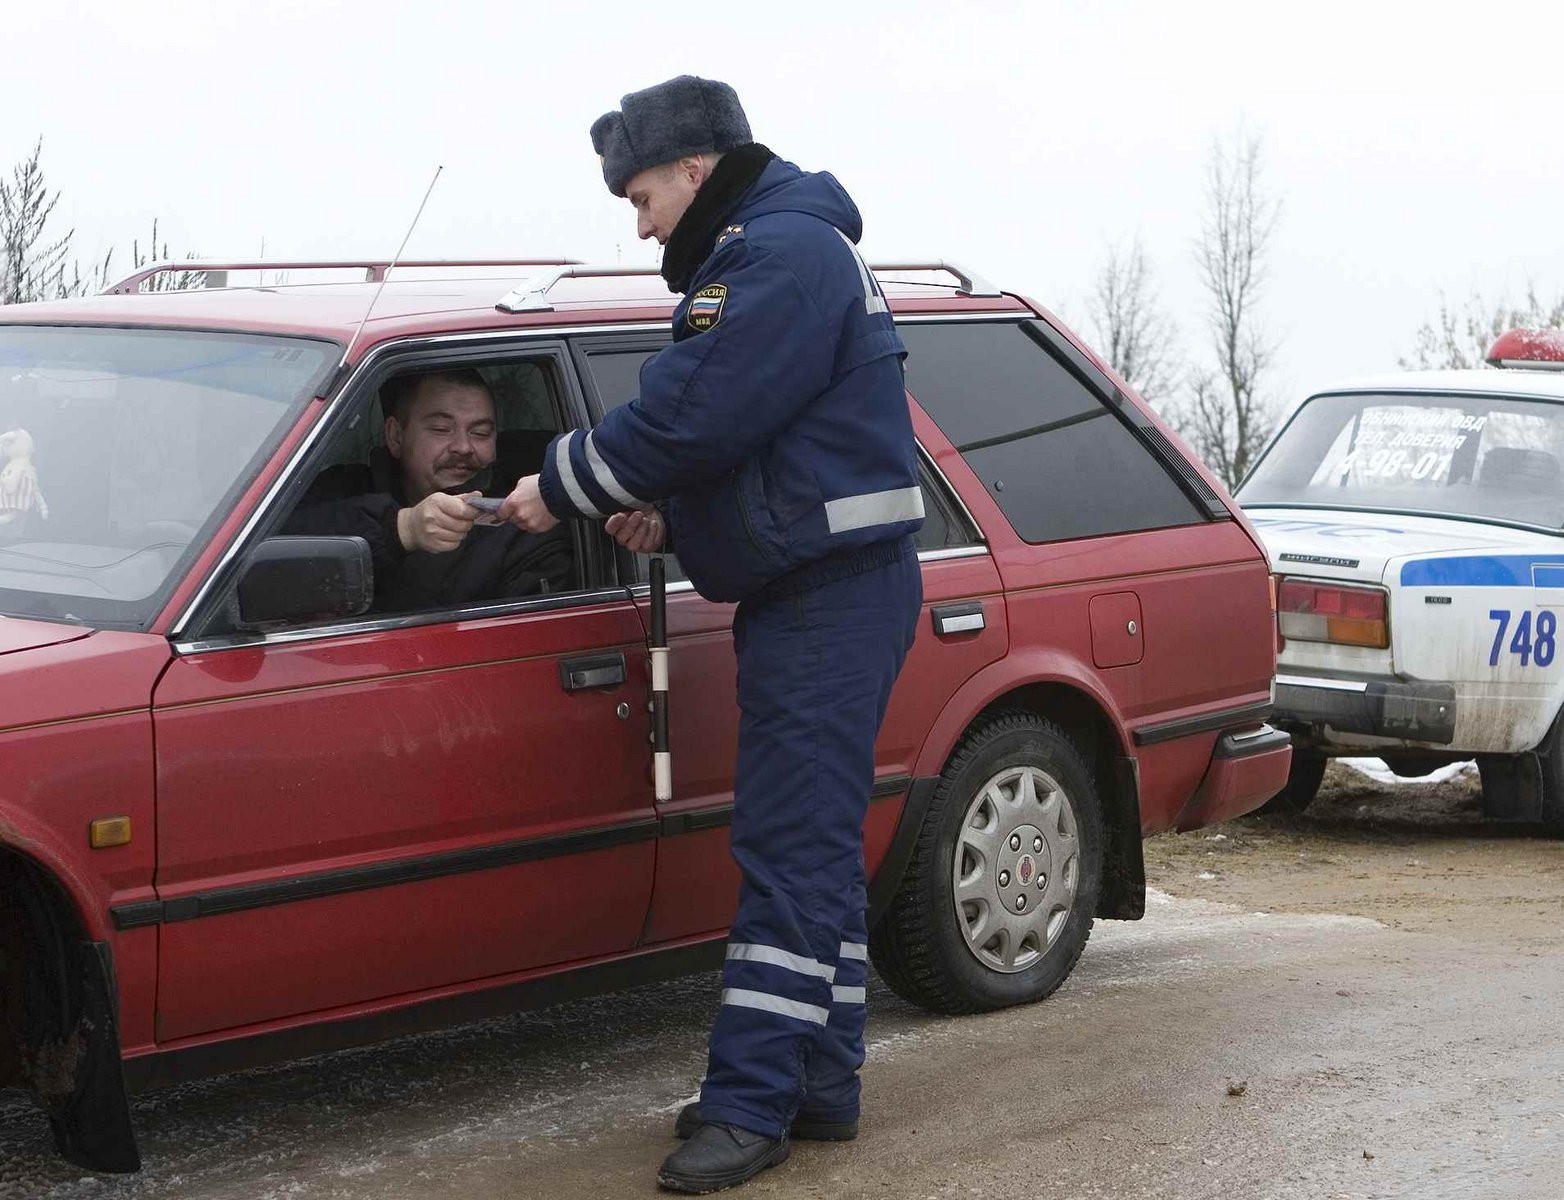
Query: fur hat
point(685, 115)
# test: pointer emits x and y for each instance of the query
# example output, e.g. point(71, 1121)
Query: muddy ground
point(1413, 855)
point(1360, 1002)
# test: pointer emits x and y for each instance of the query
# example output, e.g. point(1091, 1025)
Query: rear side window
point(1056, 460)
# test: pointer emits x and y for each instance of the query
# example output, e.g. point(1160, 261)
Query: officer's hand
point(437, 523)
point(524, 508)
point(639, 532)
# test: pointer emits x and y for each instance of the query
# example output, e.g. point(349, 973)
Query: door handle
point(958, 618)
point(593, 671)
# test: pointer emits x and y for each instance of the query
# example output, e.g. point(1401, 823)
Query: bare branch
point(1459, 339)
point(31, 267)
point(1129, 326)
point(1226, 415)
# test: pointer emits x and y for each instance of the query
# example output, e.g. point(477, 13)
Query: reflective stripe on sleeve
point(848, 995)
point(567, 476)
point(607, 480)
point(873, 302)
point(858, 950)
point(781, 1005)
point(752, 952)
point(874, 508)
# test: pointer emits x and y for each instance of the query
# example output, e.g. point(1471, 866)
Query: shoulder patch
point(706, 306)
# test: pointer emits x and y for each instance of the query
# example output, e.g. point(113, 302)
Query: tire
point(977, 955)
point(1303, 784)
point(1511, 790)
point(1552, 780)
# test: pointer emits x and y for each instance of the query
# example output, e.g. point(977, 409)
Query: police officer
point(775, 428)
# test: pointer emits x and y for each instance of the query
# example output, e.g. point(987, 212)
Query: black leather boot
point(720, 1156)
point(805, 1128)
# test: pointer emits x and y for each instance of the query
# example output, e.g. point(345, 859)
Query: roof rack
point(970, 283)
point(374, 269)
point(531, 295)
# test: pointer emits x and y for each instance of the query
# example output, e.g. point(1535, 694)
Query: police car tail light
point(1533, 349)
point(1276, 618)
point(1323, 612)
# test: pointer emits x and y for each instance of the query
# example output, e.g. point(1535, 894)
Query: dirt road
point(1362, 1002)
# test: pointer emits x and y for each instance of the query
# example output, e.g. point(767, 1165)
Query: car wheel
point(1511, 790)
point(1303, 784)
point(1001, 887)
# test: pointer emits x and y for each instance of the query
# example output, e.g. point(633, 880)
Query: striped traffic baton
point(662, 763)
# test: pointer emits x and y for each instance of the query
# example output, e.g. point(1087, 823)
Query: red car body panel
point(324, 752)
point(250, 773)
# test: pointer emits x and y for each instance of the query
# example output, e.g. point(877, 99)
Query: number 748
point(1533, 642)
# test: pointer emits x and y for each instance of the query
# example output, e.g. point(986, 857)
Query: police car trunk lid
point(1368, 547)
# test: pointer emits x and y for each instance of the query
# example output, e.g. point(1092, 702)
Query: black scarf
point(696, 233)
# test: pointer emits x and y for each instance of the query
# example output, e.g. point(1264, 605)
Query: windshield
point(120, 450)
point(1481, 457)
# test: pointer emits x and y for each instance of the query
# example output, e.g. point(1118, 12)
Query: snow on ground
point(1376, 770)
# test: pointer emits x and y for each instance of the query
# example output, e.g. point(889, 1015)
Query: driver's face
point(449, 436)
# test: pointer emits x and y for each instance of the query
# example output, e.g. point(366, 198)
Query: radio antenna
point(386, 278)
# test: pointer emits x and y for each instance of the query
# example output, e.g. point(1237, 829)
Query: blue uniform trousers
point(815, 674)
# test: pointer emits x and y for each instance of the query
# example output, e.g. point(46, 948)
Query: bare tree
point(1129, 326)
point(168, 281)
point(34, 267)
point(1460, 339)
point(31, 266)
point(1227, 417)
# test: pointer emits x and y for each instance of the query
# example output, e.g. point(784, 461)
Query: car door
point(697, 882)
point(390, 805)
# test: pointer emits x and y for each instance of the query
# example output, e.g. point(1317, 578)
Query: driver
point(440, 432)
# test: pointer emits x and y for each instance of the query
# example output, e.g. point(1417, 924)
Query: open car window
point(453, 443)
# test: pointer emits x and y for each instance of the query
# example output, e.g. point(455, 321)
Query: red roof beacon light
point(1535, 349)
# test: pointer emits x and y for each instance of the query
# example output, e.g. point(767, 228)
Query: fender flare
point(1041, 666)
point(22, 834)
point(1124, 870)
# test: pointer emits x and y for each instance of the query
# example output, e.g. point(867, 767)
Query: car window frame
point(939, 489)
point(1115, 403)
point(195, 632)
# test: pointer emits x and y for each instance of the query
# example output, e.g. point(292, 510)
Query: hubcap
point(1016, 866)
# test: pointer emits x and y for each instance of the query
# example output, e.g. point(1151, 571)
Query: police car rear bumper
point(1388, 708)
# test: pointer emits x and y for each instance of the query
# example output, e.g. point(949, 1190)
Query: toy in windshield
point(19, 494)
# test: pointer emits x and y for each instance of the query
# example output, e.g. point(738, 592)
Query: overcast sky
point(1415, 147)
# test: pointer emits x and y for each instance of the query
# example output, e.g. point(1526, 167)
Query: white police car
point(1415, 523)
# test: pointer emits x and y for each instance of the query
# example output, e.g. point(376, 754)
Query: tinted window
point(1056, 460)
point(618, 375)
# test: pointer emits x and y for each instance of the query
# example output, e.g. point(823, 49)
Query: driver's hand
point(640, 532)
point(437, 523)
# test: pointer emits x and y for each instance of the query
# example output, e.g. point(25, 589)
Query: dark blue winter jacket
point(776, 424)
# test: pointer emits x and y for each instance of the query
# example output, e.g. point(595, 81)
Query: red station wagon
point(245, 814)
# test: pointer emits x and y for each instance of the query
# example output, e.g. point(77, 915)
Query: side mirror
point(292, 579)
